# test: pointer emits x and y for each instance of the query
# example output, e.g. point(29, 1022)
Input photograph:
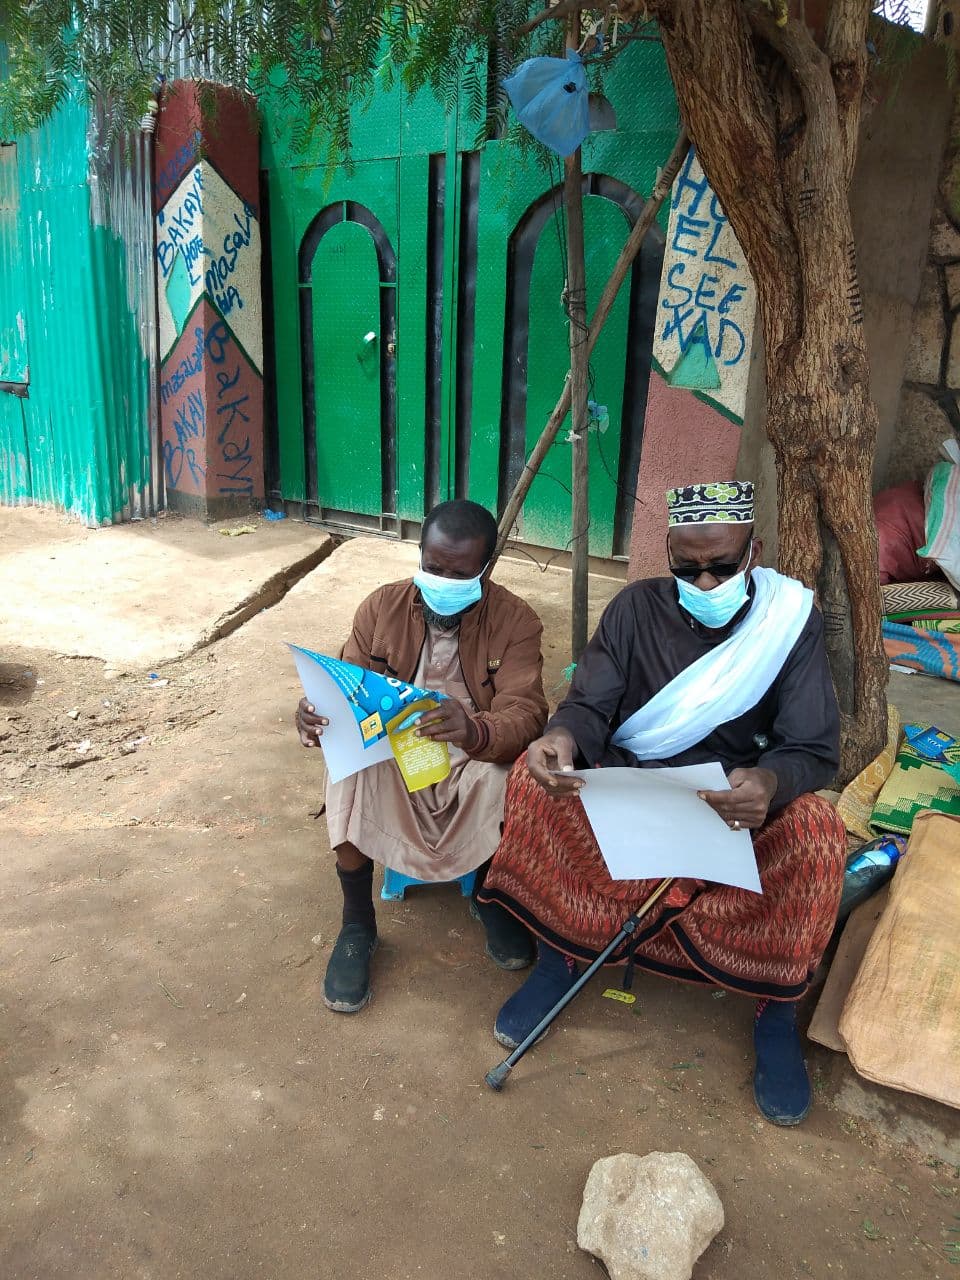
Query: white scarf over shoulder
point(726, 682)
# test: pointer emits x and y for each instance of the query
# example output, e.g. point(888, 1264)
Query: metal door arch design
point(334, 216)
point(644, 289)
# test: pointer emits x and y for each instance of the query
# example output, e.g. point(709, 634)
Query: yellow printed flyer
point(360, 706)
point(422, 761)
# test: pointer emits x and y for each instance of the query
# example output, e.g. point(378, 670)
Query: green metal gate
point(420, 340)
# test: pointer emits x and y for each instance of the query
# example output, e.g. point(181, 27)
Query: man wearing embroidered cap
point(723, 660)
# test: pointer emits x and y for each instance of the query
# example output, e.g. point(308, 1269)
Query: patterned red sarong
point(548, 871)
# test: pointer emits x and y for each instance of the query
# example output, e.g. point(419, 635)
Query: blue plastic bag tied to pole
point(551, 100)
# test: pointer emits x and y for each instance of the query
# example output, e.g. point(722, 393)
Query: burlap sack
point(901, 1021)
point(859, 929)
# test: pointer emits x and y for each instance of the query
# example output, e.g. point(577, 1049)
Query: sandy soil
point(176, 1102)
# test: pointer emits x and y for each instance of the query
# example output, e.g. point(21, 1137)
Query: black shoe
point(781, 1085)
point(346, 984)
point(529, 1005)
point(510, 944)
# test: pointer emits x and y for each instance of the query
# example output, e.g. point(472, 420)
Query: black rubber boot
point(346, 984)
point(510, 944)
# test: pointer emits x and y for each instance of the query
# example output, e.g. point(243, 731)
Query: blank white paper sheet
point(650, 823)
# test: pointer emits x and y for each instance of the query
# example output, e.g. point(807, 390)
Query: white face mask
point(447, 597)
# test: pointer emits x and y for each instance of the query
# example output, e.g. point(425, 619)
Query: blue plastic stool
point(395, 885)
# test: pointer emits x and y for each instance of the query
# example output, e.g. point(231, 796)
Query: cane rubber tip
point(497, 1076)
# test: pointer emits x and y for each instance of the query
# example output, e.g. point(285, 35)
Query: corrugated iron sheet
point(13, 328)
point(84, 439)
point(78, 306)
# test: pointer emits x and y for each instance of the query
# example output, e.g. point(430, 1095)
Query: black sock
point(357, 889)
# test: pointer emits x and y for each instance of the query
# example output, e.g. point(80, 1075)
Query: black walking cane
point(497, 1076)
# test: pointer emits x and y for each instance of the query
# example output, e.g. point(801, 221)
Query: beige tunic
point(441, 832)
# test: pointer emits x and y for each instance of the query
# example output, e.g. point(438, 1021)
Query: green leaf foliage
point(321, 55)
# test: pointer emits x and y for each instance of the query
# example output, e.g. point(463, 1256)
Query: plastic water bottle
point(868, 869)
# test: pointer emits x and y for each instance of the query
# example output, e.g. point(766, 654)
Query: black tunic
point(645, 639)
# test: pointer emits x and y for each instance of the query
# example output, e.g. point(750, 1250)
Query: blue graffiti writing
point(690, 309)
point(188, 368)
point(217, 340)
point(697, 302)
point(189, 426)
point(187, 446)
point(190, 420)
point(192, 253)
point(237, 457)
point(174, 457)
point(177, 227)
point(172, 171)
point(227, 300)
point(223, 266)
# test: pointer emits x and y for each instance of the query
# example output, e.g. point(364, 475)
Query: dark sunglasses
point(719, 569)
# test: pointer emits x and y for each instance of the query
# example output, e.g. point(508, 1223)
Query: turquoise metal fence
point(76, 409)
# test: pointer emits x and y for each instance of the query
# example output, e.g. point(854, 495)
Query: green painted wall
point(404, 151)
point(79, 440)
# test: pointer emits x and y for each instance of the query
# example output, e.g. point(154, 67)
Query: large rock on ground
point(649, 1217)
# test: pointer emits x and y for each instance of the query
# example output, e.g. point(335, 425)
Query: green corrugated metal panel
point(80, 441)
point(14, 362)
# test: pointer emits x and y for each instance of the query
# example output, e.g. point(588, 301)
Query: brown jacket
point(499, 653)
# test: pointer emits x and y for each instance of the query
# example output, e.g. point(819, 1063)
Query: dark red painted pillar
point(209, 300)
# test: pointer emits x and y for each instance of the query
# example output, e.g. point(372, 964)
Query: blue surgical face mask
point(448, 596)
point(714, 608)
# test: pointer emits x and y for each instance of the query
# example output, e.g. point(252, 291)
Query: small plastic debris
point(74, 714)
point(624, 997)
point(81, 748)
point(274, 515)
point(158, 683)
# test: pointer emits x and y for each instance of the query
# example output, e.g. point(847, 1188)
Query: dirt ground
point(176, 1102)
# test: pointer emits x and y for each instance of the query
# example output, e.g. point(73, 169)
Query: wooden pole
point(576, 296)
point(623, 264)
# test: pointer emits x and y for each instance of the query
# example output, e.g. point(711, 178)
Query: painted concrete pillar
point(209, 300)
point(702, 350)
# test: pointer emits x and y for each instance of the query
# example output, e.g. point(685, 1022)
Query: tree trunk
point(774, 119)
point(826, 526)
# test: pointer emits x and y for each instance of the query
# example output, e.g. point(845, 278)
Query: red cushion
point(900, 528)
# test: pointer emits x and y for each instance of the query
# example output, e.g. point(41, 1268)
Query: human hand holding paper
point(310, 725)
point(652, 823)
point(550, 761)
point(746, 802)
point(359, 710)
point(450, 722)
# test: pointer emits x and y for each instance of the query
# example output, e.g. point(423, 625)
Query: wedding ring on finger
point(735, 824)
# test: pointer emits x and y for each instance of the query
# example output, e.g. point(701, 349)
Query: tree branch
point(560, 10)
point(809, 68)
point(729, 114)
point(846, 47)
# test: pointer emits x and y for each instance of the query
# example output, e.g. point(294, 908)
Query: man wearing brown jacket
point(450, 630)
